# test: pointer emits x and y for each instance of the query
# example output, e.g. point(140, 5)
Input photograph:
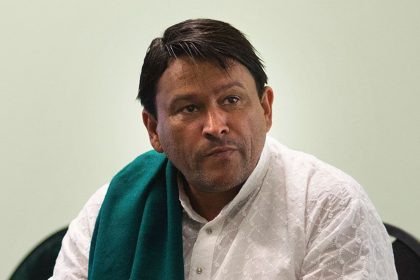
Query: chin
point(216, 185)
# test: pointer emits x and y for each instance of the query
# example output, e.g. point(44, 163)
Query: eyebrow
point(229, 85)
point(182, 97)
point(188, 96)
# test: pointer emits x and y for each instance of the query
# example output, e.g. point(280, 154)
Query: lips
point(221, 151)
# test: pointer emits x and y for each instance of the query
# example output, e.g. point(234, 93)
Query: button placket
point(202, 253)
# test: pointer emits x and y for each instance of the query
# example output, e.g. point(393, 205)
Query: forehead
point(185, 74)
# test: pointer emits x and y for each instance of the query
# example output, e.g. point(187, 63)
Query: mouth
point(221, 151)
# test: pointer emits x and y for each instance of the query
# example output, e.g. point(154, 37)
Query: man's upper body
point(294, 218)
point(251, 207)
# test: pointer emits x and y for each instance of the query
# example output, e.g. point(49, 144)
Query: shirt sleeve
point(346, 238)
point(73, 259)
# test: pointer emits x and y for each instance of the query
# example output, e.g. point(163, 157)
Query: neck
point(209, 204)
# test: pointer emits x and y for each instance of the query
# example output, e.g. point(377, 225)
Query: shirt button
point(199, 270)
point(209, 231)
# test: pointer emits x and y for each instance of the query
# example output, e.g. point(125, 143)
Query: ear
point(267, 105)
point(150, 123)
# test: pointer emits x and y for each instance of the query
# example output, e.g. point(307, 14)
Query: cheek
point(255, 122)
point(255, 131)
point(164, 135)
point(171, 137)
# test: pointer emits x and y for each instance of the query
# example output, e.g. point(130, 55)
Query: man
point(218, 199)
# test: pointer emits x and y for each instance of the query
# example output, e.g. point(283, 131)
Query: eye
point(190, 109)
point(231, 100)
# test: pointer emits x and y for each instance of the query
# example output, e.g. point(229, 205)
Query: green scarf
point(138, 232)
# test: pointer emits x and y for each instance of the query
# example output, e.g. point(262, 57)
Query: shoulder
point(317, 178)
point(93, 205)
point(81, 228)
point(72, 261)
point(341, 227)
point(324, 192)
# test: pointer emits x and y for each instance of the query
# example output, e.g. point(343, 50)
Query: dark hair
point(203, 39)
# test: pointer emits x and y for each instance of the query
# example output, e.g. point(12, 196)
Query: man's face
point(210, 122)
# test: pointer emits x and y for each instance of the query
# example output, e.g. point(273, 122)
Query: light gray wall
point(346, 76)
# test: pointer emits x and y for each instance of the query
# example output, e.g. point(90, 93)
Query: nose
point(215, 124)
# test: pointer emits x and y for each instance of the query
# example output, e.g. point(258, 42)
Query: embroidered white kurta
point(294, 218)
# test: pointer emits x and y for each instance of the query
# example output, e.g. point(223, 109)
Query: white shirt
point(294, 218)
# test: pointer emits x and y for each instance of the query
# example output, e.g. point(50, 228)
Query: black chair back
point(39, 263)
point(406, 253)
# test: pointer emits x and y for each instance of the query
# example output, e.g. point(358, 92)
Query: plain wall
point(346, 75)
